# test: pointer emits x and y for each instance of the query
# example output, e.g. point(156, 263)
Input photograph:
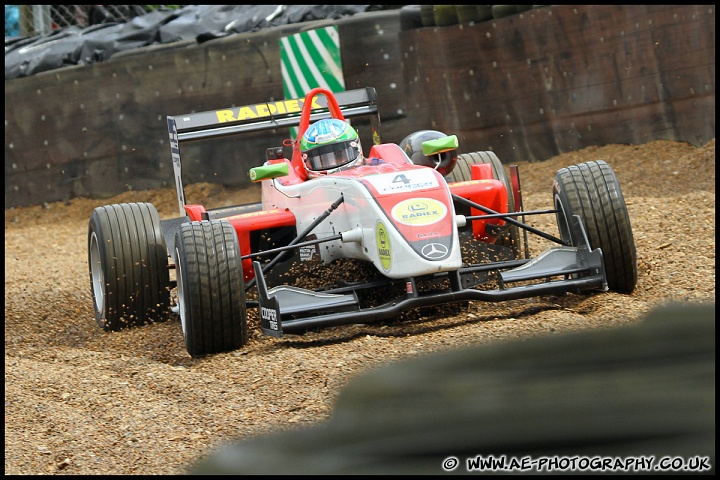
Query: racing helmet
point(330, 145)
point(412, 145)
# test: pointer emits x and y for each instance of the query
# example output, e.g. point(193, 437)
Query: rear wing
point(261, 117)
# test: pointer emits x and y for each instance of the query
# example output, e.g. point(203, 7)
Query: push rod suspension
point(510, 214)
point(508, 219)
point(294, 243)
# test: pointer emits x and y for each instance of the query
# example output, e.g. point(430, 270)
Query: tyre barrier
point(428, 18)
point(418, 16)
point(500, 11)
point(410, 17)
point(445, 15)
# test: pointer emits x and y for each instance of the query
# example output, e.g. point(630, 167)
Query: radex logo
point(383, 245)
point(419, 211)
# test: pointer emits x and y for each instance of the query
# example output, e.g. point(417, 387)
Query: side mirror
point(265, 172)
point(441, 154)
point(439, 145)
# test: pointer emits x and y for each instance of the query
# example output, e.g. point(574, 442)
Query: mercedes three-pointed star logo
point(434, 251)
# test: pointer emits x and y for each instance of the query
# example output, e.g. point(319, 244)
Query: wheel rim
point(180, 293)
point(98, 276)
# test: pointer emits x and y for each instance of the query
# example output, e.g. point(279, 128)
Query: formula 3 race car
point(426, 227)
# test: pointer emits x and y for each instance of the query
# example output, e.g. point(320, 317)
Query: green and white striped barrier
point(311, 59)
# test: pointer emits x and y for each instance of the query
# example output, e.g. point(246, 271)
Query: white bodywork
point(368, 232)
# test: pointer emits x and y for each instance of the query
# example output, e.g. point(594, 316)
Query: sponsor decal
point(270, 315)
point(403, 182)
point(383, 245)
point(174, 142)
point(307, 252)
point(419, 211)
point(434, 251)
point(262, 110)
point(469, 182)
point(258, 213)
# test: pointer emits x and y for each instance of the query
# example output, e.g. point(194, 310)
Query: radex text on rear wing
point(258, 117)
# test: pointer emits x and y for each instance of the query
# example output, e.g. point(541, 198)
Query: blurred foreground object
point(643, 390)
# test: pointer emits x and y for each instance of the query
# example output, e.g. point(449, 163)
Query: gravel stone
point(79, 401)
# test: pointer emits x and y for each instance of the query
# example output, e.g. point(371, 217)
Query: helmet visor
point(332, 156)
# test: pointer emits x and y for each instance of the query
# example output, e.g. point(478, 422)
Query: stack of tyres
point(418, 16)
point(500, 11)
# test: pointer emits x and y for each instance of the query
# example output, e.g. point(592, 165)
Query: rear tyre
point(592, 191)
point(128, 261)
point(210, 287)
point(462, 172)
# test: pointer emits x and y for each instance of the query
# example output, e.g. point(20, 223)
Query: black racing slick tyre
point(210, 287)
point(128, 260)
point(592, 191)
point(463, 172)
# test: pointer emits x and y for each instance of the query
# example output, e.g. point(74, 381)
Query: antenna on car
point(277, 151)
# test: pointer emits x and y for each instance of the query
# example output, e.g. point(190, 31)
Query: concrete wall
point(528, 86)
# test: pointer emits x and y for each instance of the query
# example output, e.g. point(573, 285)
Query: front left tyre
point(128, 263)
point(463, 172)
point(210, 287)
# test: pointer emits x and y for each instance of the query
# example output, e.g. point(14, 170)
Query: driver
point(330, 145)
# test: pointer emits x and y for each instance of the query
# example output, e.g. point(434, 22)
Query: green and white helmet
point(330, 145)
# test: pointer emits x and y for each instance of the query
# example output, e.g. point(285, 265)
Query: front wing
point(556, 271)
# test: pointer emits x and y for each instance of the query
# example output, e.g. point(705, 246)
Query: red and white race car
point(431, 227)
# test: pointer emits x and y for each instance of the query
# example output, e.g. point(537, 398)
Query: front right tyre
point(592, 191)
point(210, 287)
